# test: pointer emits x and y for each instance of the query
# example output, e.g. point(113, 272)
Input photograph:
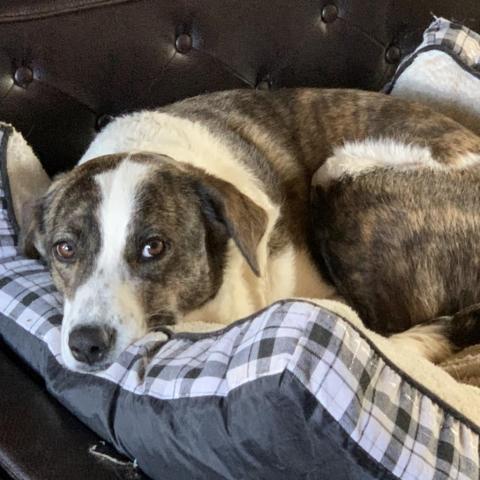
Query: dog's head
point(134, 242)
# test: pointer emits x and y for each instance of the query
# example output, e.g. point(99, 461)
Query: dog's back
point(402, 247)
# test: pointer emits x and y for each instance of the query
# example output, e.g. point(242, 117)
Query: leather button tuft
point(183, 43)
point(329, 13)
point(23, 76)
point(265, 84)
point(393, 54)
point(102, 121)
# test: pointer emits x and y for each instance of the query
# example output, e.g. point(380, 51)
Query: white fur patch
point(118, 188)
point(427, 340)
point(354, 158)
point(281, 275)
point(309, 281)
point(181, 139)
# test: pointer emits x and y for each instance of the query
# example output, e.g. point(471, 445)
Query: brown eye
point(153, 248)
point(64, 251)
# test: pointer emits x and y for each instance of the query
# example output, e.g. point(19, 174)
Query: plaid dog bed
point(295, 391)
point(452, 38)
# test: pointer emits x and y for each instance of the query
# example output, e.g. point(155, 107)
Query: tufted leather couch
point(68, 66)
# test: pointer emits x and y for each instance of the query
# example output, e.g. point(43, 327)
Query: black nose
point(91, 343)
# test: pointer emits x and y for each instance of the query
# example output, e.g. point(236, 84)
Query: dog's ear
point(31, 236)
point(244, 221)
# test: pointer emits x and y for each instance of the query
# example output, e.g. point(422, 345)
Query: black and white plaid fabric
point(398, 425)
point(447, 36)
point(454, 37)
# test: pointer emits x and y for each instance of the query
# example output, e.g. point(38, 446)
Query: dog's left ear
point(244, 221)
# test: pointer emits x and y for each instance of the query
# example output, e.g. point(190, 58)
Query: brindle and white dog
point(201, 211)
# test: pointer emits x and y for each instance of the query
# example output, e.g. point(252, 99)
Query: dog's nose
point(91, 343)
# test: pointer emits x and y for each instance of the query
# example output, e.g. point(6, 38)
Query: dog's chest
point(292, 273)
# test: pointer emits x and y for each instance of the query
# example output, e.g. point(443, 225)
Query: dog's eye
point(152, 248)
point(64, 251)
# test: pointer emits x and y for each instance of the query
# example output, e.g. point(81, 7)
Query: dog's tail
point(464, 328)
point(438, 339)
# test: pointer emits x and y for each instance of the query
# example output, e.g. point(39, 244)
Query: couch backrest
point(66, 67)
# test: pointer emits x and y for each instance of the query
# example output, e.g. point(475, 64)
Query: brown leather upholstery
point(39, 439)
point(66, 66)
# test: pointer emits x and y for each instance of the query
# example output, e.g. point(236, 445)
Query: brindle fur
point(463, 328)
point(284, 137)
point(402, 246)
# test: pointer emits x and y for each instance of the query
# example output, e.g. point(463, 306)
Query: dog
point(201, 211)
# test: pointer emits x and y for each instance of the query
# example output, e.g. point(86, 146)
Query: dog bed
point(299, 390)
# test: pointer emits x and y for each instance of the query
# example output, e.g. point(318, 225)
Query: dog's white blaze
point(354, 158)
point(118, 188)
point(67, 356)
